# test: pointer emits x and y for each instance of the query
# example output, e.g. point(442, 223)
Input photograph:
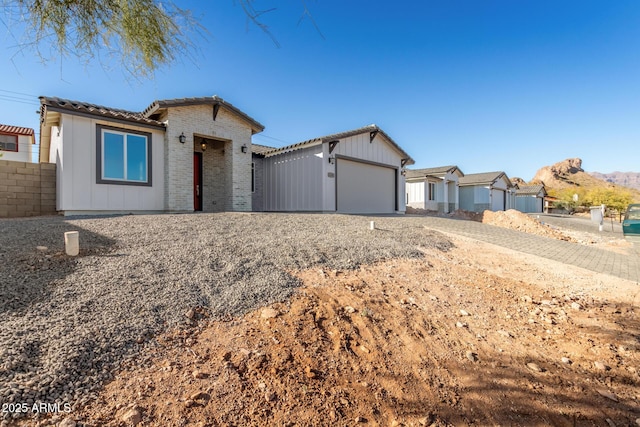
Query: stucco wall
point(27, 189)
point(25, 148)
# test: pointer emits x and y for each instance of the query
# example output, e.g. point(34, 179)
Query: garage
point(356, 172)
point(365, 188)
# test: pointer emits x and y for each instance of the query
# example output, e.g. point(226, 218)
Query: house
point(486, 191)
point(530, 198)
point(357, 171)
point(178, 155)
point(195, 154)
point(16, 143)
point(433, 189)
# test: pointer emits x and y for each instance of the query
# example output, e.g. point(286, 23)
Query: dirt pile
point(516, 220)
point(452, 339)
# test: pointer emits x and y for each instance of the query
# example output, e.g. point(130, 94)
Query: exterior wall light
point(204, 145)
point(332, 160)
point(182, 138)
point(243, 148)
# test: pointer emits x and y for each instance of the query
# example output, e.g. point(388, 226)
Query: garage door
point(365, 188)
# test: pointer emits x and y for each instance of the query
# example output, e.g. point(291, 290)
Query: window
point(253, 177)
point(432, 190)
point(8, 142)
point(123, 156)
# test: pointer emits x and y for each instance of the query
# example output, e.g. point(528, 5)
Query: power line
point(19, 93)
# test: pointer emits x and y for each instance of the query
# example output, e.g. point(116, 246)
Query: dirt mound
point(451, 339)
point(517, 220)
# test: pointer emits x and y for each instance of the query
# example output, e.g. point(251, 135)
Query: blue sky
point(487, 85)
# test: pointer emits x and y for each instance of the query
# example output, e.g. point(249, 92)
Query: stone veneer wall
point(27, 189)
point(198, 121)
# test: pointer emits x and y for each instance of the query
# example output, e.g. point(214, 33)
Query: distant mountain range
point(627, 179)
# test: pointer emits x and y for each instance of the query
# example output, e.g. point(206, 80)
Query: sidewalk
point(588, 257)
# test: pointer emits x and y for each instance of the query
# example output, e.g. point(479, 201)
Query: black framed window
point(8, 142)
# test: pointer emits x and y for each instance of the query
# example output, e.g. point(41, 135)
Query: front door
point(197, 181)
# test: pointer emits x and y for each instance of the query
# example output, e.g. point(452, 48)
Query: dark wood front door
point(197, 181)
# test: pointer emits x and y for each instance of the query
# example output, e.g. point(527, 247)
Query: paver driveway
point(591, 258)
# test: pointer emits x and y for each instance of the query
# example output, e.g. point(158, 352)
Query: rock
point(601, 366)
point(471, 356)
point(199, 396)
point(44, 249)
point(534, 367)
point(610, 422)
point(461, 325)
point(566, 361)
point(189, 403)
point(309, 372)
point(67, 422)
point(132, 417)
point(638, 421)
point(190, 314)
point(505, 334)
point(526, 298)
point(268, 313)
point(364, 349)
point(606, 393)
point(576, 306)
point(350, 309)
point(463, 313)
point(270, 396)
point(199, 375)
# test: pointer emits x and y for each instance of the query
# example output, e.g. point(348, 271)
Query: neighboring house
point(195, 154)
point(358, 171)
point(433, 189)
point(16, 143)
point(177, 155)
point(530, 198)
point(486, 191)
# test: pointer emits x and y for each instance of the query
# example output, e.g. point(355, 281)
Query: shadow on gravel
point(32, 258)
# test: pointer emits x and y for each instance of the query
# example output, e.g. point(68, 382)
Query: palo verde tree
point(142, 34)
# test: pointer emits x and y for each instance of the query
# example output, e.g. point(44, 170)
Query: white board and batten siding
point(76, 168)
point(304, 179)
point(293, 180)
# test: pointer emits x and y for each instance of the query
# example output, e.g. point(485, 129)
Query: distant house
point(16, 143)
point(433, 189)
point(486, 191)
point(356, 171)
point(530, 198)
point(196, 154)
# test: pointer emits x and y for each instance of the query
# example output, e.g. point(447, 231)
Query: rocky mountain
point(626, 179)
point(569, 173)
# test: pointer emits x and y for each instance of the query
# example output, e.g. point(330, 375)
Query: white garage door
point(365, 188)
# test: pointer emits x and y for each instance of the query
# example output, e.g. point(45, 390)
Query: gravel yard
point(69, 323)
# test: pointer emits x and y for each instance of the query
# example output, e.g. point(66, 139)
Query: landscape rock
point(601, 366)
point(132, 417)
point(268, 313)
point(606, 393)
point(534, 367)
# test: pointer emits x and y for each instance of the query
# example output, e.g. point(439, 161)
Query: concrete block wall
point(27, 189)
point(197, 121)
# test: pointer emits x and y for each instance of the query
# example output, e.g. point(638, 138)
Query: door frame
point(197, 182)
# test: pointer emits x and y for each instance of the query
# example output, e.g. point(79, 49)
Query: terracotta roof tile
point(17, 130)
